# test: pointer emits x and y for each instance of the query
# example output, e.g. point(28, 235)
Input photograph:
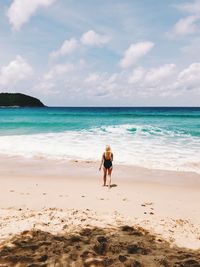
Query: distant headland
point(19, 100)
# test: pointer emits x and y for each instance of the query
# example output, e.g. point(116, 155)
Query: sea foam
point(140, 145)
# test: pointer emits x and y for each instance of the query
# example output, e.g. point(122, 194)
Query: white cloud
point(135, 52)
point(137, 75)
point(92, 77)
point(20, 11)
point(68, 47)
point(17, 70)
point(46, 88)
point(92, 38)
point(164, 81)
point(157, 84)
point(189, 78)
point(58, 70)
point(113, 78)
point(103, 83)
point(186, 26)
point(153, 76)
point(160, 73)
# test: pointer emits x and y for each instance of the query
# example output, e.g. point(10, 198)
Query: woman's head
point(108, 148)
point(108, 152)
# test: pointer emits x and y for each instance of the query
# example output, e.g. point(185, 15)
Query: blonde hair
point(108, 152)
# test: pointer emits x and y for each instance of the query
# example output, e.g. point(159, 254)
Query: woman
point(106, 161)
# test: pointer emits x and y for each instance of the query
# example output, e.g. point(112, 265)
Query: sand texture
point(56, 213)
point(125, 246)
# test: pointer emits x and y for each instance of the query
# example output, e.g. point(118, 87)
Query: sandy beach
point(51, 198)
point(89, 88)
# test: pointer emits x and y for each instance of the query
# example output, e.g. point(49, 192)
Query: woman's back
point(108, 155)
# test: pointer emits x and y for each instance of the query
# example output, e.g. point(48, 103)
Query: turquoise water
point(167, 138)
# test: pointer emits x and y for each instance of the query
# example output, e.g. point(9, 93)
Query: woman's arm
point(102, 159)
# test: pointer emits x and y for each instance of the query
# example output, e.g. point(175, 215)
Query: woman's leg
point(104, 176)
point(109, 177)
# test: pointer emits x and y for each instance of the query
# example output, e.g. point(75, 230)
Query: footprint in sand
point(146, 204)
point(150, 213)
point(12, 191)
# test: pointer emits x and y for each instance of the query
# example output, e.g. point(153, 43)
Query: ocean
point(156, 138)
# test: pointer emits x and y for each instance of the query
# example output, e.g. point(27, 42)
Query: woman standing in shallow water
point(106, 161)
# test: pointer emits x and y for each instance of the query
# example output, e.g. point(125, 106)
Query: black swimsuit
point(107, 162)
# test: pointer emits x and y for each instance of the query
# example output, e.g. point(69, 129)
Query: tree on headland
point(19, 100)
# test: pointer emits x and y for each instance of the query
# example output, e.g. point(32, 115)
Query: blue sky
point(102, 52)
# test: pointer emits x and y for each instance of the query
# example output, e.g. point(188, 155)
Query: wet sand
point(53, 200)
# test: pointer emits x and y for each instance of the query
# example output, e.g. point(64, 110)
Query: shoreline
point(60, 167)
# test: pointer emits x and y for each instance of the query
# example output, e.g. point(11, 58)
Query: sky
point(102, 52)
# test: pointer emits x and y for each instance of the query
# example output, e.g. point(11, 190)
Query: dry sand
point(54, 200)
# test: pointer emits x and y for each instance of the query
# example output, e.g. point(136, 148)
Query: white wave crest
point(144, 145)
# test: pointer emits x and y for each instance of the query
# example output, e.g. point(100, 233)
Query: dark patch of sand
point(126, 246)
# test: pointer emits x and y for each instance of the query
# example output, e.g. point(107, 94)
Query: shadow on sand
point(124, 246)
point(113, 185)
